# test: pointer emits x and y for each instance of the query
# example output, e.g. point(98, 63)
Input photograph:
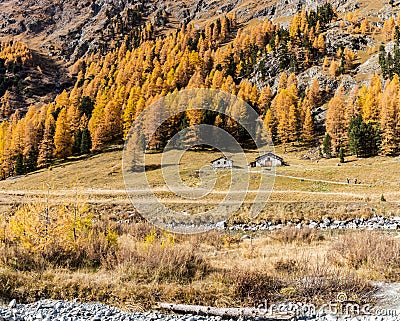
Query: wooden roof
point(269, 154)
point(222, 157)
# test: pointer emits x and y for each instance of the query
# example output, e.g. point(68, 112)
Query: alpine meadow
point(200, 160)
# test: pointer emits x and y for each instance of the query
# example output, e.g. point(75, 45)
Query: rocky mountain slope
point(66, 29)
point(69, 30)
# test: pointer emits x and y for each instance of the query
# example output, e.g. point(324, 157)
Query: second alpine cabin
point(268, 160)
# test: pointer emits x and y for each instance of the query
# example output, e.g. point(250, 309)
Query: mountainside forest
point(321, 79)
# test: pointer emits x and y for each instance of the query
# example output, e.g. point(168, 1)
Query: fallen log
point(226, 312)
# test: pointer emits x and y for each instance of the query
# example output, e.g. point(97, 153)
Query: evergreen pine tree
point(31, 161)
point(341, 154)
point(355, 139)
point(86, 106)
point(86, 143)
point(76, 149)
point(19, 168)
point(362, 138)
point(327, 146)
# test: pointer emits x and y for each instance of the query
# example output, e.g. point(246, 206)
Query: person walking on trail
point(348, 180)
point(355, 180)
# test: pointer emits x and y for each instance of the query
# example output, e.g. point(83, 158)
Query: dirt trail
point(318, 180)
point(123, 192)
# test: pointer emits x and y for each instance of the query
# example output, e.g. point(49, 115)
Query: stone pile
point(374, 223)
point(53, 310)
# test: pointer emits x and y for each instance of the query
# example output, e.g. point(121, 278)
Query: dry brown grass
point(158, 261)
point(253, 287)
point(295, 235)
point(138, 265)
point(368, 251)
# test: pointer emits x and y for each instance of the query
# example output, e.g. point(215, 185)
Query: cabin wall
point(269, 162)
point(222, 164)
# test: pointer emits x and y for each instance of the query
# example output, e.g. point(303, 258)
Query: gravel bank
point(52, 310)
point(49, 310)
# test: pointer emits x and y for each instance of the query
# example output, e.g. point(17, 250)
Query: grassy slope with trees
point(112, 89)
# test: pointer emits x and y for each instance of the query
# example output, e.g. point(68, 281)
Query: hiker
point(355, 180)
point(348, 180)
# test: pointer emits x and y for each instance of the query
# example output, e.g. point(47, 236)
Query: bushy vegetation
point(38, 237)
point(66, 252)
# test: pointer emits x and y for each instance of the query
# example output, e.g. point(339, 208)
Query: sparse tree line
point(112, 90)
point(303, 43)
point(366, 123)
point(390, 63)
point(126, 28)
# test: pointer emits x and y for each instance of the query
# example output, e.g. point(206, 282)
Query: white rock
point(220, 225)
point(12, 304)
point(313, 224)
